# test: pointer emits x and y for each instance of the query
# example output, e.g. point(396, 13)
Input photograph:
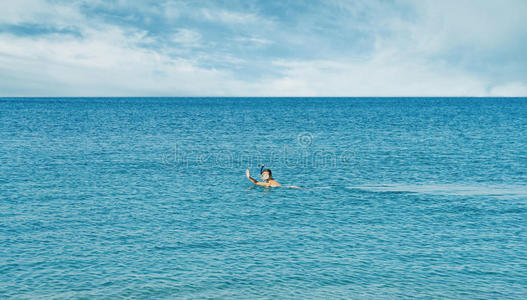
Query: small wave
point(448, 189)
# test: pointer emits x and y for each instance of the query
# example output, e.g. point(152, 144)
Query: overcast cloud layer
point(263, 48)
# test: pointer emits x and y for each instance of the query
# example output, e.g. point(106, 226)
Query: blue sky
point(263, 48)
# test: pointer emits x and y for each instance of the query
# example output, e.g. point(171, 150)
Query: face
point(265, 175)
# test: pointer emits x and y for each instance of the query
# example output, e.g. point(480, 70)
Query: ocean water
point(147, 198)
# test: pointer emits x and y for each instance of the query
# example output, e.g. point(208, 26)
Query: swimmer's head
point(266, 174)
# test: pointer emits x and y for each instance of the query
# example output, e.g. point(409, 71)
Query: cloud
point(253, 41)
point(375, 77)
point(187, 38)
point(103, 66)
point(230, 17)
point(487, 37)
point(333, 48)
point(511, 89)
point(39, 12)
point(482, 24)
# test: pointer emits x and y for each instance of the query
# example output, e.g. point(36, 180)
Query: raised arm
point(248, 174)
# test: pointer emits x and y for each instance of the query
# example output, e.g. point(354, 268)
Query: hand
point(247, 173)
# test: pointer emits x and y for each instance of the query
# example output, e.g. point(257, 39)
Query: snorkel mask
point(262, 170)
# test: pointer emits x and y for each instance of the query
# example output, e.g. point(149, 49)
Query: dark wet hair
point(267, 170)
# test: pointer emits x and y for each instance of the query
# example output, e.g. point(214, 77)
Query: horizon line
point(257, 97)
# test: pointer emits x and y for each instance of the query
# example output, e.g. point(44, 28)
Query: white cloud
point(484, 23)
point(462, 29)
point(226, 16)
point(187, 38)
point(109, 60)
point(110, 64)
point(39, 11)
point(378, 76)
point(102, 63)
point(511, 89)
point(173, 10)
point(254, 41)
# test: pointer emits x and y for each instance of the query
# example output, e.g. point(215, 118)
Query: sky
point(263, 48)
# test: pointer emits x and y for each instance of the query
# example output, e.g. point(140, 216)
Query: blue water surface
point(147, 198)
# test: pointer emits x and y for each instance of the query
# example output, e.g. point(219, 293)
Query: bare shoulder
point(274, 183)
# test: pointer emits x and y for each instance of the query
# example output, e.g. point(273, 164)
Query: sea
point(147, 198)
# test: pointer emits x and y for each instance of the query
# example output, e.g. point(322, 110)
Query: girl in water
point(267, 177)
